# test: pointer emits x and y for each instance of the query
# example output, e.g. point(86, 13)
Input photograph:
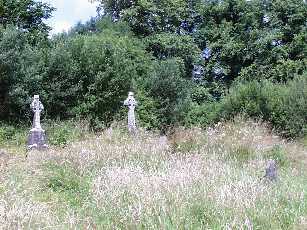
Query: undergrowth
point(192, 179)
point(13, 138)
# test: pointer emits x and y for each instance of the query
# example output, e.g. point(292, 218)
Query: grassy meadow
point(190, 179)
point(232, 73)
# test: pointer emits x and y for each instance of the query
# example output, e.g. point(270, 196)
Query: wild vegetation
point(190, 179)
point(221, 89)
point(189, 62)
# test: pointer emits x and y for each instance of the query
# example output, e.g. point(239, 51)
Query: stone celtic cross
point(37, 136)
point(37, 107)
point(131, 103)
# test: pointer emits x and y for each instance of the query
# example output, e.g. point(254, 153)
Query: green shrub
point(244, 98)
point(82, 75)
point(11, 135)
point(283, 105)
point(205, 114)
point(167, 86)
point(59, 136)
point(147, 113)
point(288, 108)
point(7, 133)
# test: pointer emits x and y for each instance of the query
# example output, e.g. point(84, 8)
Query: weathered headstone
point(131, 103)
point(4, 158)
point(271, 171)
point(37, 136)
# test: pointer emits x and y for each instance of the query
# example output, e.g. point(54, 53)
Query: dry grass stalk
point(143, 182)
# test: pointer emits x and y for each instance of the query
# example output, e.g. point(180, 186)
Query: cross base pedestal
point(37, 139)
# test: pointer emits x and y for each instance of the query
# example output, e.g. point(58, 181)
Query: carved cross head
point(130, 101)
point(36, 105)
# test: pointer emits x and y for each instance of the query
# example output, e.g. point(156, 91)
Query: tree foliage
point(167, 86)
point(188, 61)
point(74, 76)
point(149, 16)
point(246, 36)
point(27, 15)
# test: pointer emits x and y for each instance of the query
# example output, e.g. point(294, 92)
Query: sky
point(69, 12)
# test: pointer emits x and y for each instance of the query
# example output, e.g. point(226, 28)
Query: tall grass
point(59, 133)
point(192, 179)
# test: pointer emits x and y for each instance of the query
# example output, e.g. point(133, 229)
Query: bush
point(81, 75)
point(6, 133)
point(112, 68)
point(11, 135)
point(288, 108)
point(147, 113)
point(167, 86)
point(284, 105)
point(204, 114)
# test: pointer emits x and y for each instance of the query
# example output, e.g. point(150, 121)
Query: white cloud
point(69, 12)
point(83, 8)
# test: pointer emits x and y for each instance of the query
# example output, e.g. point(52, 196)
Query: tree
point(167, 86)
point(27, 15)
point(21, 26)
point(169, 45)
point(247, 36)
point(147, 17)
point(18, 66)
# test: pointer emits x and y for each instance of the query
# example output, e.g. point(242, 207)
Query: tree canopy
point(183, 58)
point(27, 15)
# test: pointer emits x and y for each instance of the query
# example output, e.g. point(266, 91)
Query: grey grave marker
point(131, 103)
point(37, 136)
point(271, 171)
